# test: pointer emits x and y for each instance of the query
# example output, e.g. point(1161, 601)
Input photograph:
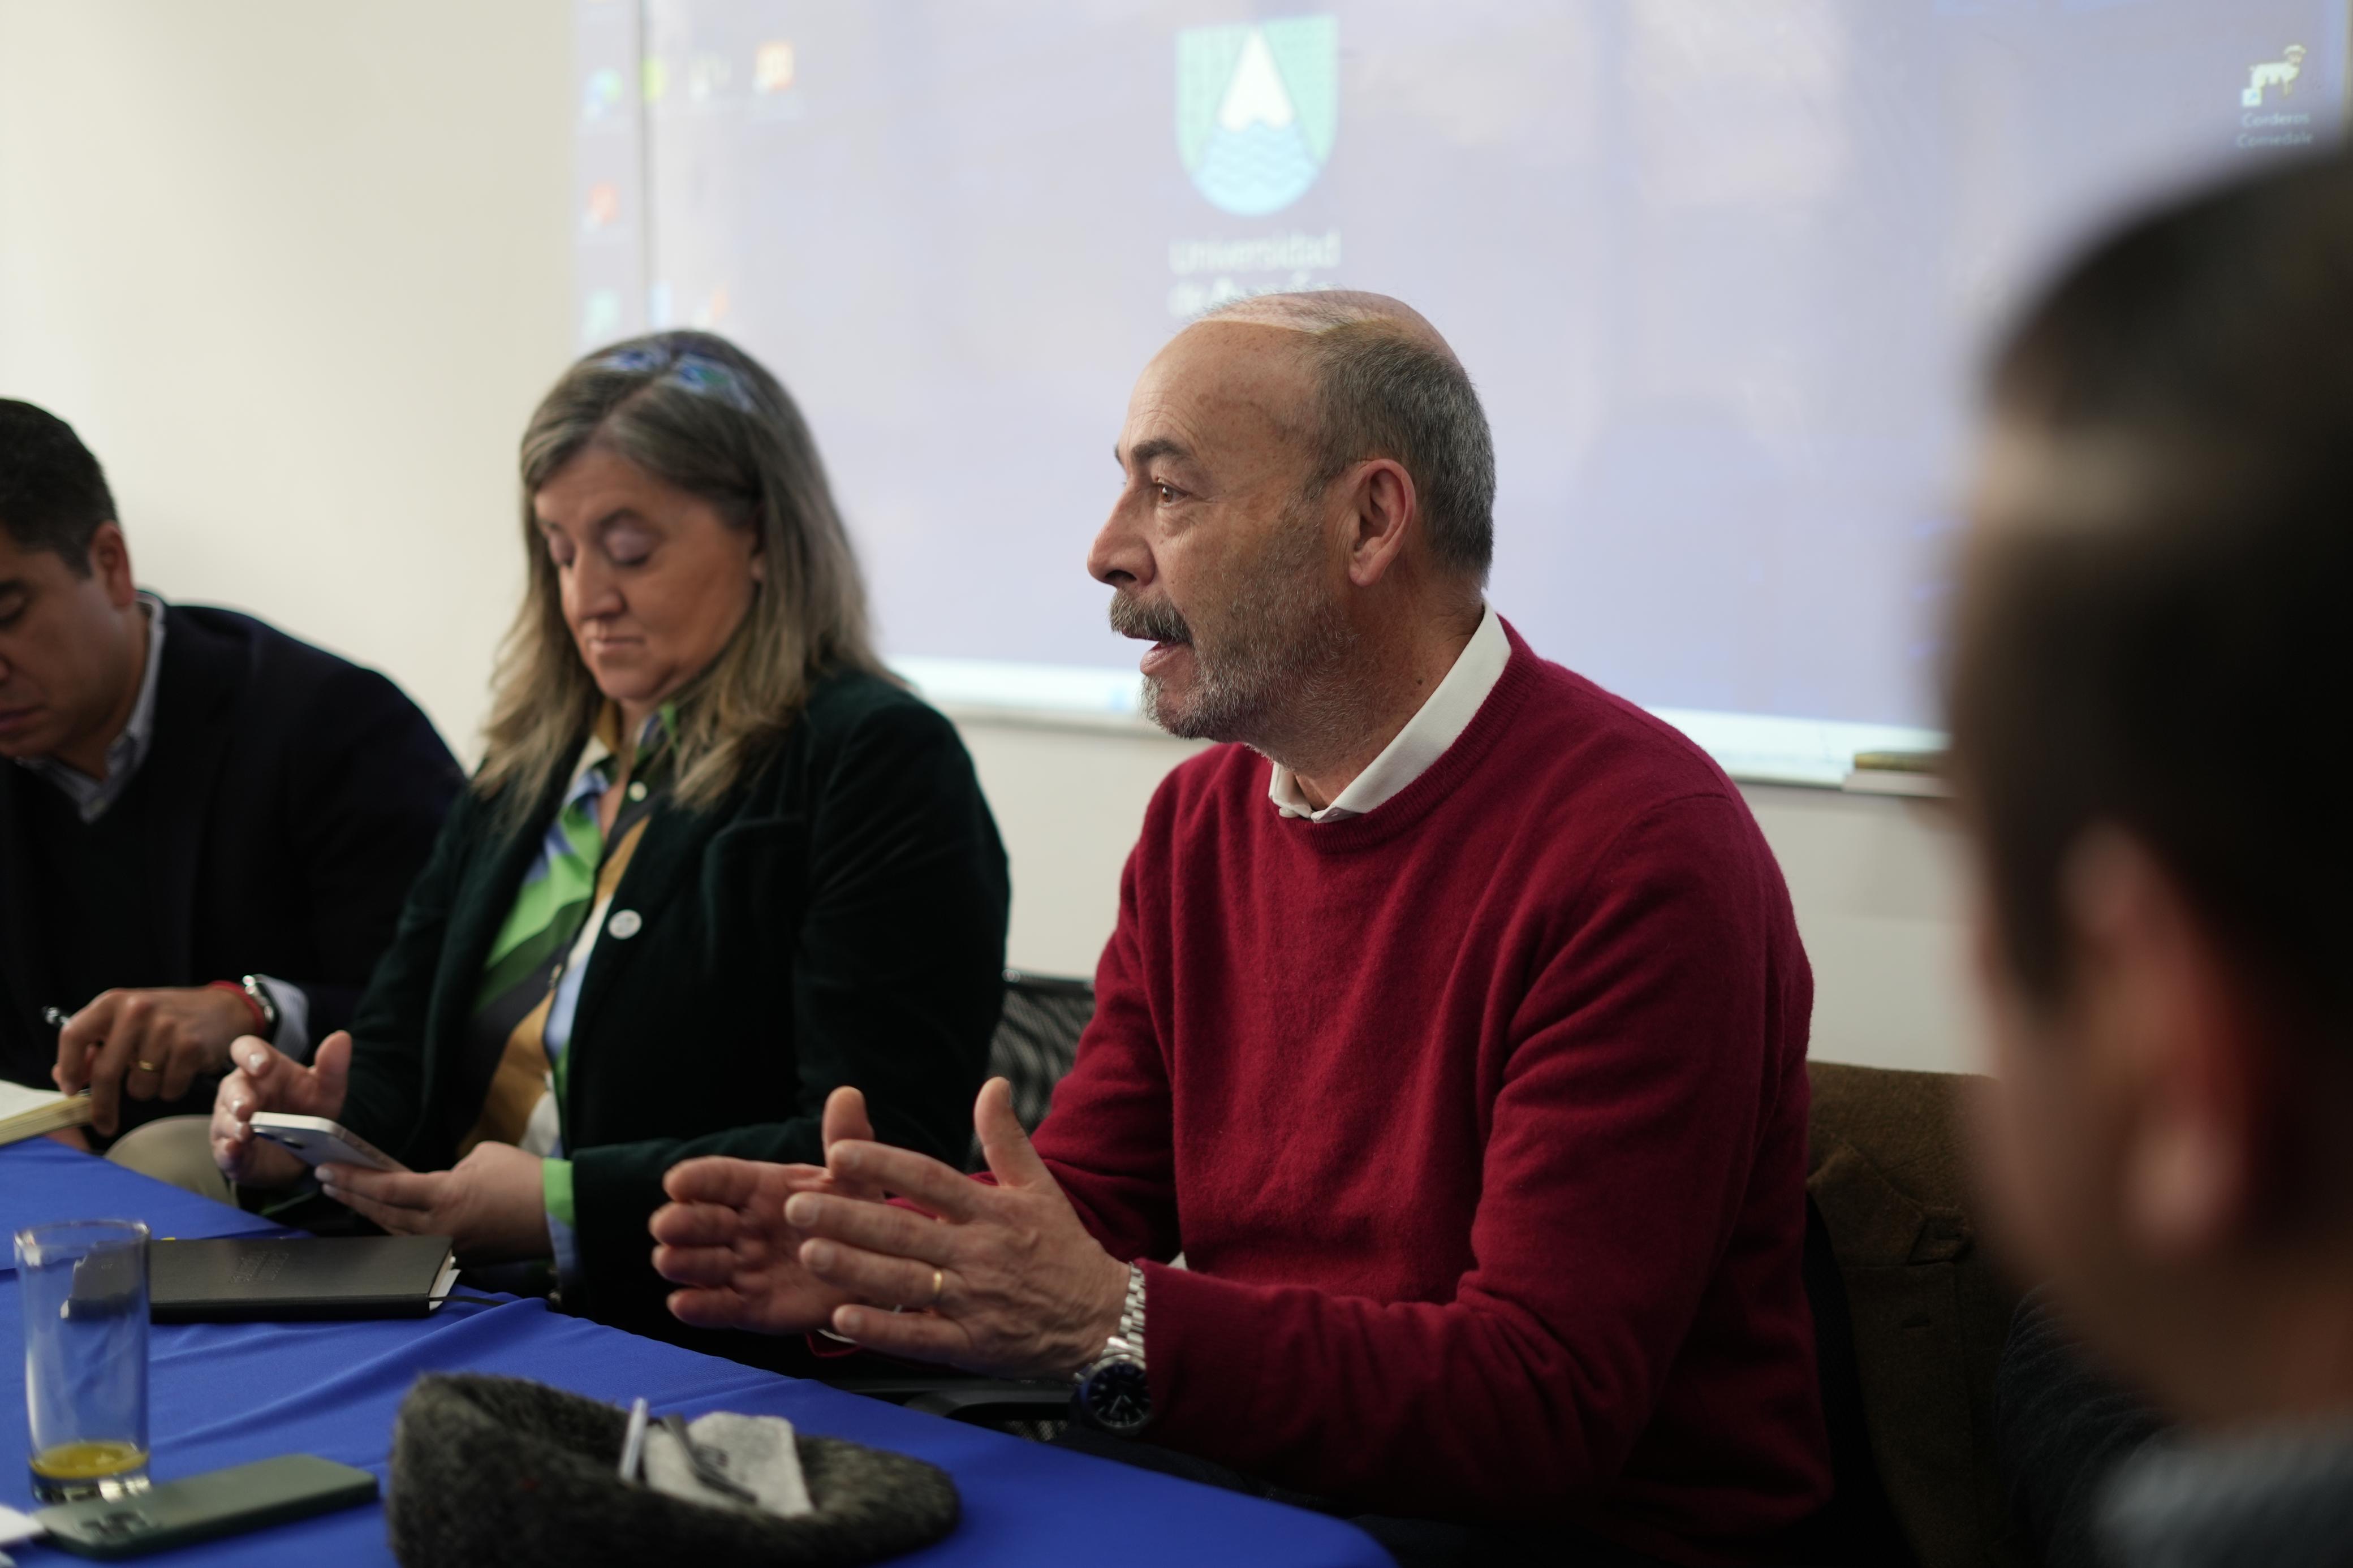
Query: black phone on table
point(199, 1508)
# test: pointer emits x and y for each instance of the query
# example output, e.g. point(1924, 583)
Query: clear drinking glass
point(84, 1287)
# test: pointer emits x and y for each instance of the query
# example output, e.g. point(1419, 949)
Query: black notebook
point(289, 1277)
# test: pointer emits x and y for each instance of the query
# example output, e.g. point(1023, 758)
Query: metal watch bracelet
point(1115, 1394)
point(1127, 1342)
point(1130, 1314)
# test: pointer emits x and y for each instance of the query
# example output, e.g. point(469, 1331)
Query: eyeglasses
point(697, 374)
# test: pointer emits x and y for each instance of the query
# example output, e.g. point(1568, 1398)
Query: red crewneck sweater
point(1481, 1122)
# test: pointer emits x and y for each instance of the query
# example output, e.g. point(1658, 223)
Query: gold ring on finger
point(147, 1067)
point(939, 1283)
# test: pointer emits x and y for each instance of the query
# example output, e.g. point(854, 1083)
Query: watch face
point(1118, 1397)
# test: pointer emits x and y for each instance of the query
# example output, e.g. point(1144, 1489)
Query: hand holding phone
point(315, 1141)
point(267, 1079)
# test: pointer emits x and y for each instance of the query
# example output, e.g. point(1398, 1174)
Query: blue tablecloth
point(228, 1392)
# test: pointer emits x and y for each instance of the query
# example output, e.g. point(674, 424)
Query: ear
point(1382, 507)
point(756, 537)
point(2180, 1044)
point(110, 562)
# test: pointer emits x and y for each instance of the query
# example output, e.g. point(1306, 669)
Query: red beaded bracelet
point(260, 1018)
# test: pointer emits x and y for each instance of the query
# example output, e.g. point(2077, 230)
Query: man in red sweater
point(1453, 1030)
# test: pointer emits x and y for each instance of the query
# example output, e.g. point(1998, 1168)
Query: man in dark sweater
point(1453, 1030)
point(206, 827)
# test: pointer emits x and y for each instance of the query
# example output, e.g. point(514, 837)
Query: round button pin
point(624, 925)
point(637, 790)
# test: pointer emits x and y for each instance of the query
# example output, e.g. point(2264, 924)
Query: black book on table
point(282, 1278)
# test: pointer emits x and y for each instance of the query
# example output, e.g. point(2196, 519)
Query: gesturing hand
point(267, 1079)
point(1015, 1285)
point(148, 1045)
point(723, 1235)
point(492, 1203)
point(724, 1238)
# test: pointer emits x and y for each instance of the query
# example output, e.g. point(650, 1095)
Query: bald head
point(1387, 384)
point(1326, 310)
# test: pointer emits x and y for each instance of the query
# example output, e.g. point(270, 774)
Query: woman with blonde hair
point(716, 861)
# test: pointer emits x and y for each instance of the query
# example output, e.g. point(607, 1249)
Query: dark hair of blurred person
point(2147, 697)
point(208, 826)
point(715, 862)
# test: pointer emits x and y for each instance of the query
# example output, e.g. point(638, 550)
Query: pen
point(633, 1443)
point(57, 1018)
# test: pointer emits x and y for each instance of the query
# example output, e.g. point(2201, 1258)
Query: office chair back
point(1858, 1530)
point(1037, 1040)
point(1887, 1171)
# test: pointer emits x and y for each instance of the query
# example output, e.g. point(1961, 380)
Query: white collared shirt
point(1436, 725)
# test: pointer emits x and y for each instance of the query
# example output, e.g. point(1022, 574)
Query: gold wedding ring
point(939, 1283)
point(147, 1067)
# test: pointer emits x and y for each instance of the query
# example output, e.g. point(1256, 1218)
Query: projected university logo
point(1256, 107)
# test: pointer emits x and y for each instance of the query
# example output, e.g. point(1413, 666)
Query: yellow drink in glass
point(84, 1289)
point(99, 1468)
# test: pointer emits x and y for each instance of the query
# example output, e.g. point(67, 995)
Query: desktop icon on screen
point(771, 67)
point(600, 94)
point(2280, 73)
point(707, 77)
point(604, 206)
point(600, 319)
point(1256, 106)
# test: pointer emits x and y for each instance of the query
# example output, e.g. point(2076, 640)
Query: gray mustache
point(1158, 621)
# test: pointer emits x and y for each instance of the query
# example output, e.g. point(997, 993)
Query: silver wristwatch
point(1114, 1394)
point(260, 996)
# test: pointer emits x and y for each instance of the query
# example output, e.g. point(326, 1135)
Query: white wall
point(298, 272)
point(1878, 893)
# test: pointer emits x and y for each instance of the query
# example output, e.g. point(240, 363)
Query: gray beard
point(1273, 673)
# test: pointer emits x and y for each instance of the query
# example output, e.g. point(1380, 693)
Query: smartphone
point(198, 1508)
point(315, 1141)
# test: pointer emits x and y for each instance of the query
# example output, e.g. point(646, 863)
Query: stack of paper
point(29, 1112)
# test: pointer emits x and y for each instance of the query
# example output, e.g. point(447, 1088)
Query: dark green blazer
point(837, 919)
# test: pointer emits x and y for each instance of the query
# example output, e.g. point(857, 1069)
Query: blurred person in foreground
point(2147, 706)
point(1453, 1029)
point(206, 827)
point(715, 863)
